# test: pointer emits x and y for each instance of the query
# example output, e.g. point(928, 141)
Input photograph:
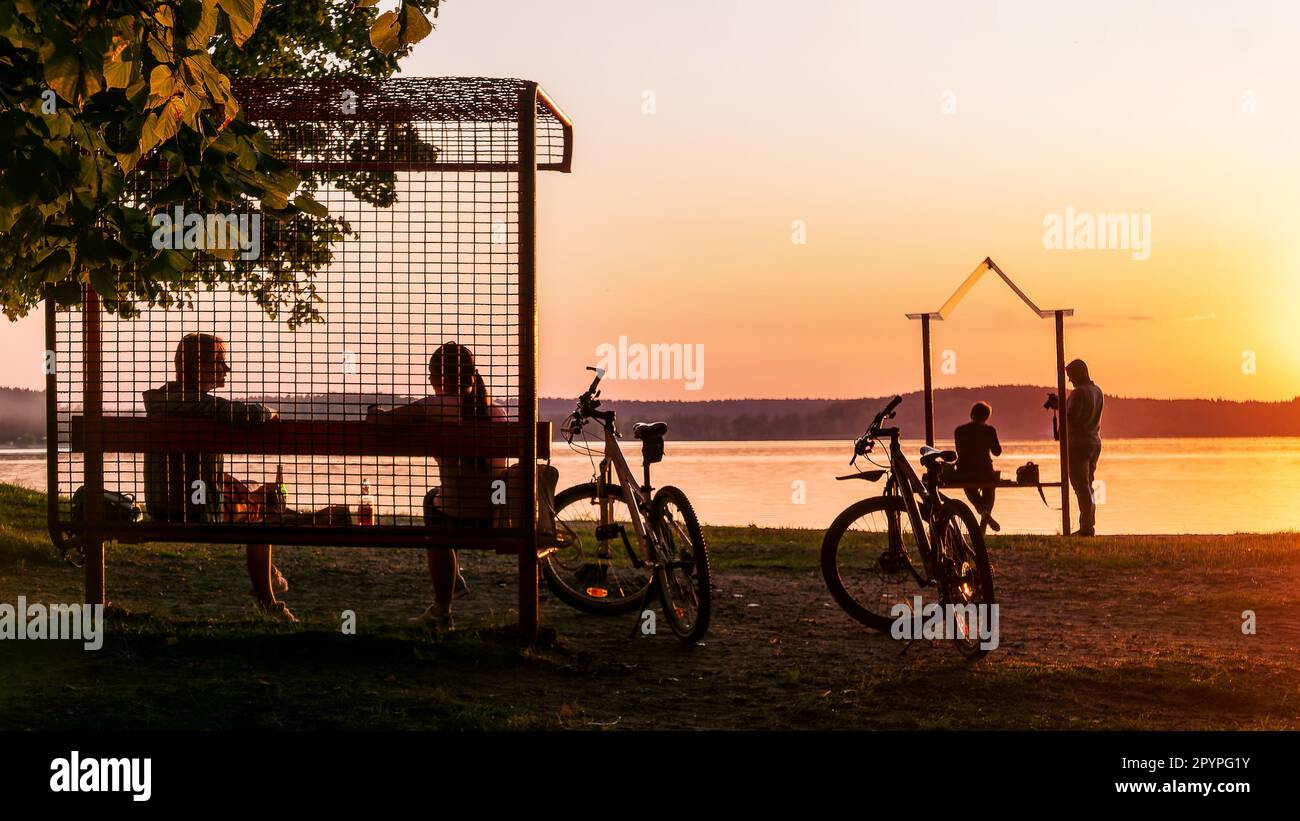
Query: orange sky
point(911, 142)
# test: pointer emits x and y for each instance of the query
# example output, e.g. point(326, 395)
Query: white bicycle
point(620, 543)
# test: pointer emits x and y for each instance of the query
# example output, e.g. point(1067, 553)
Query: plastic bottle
point(366, 507)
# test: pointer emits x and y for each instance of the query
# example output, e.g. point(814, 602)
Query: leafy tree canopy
point(95, 92)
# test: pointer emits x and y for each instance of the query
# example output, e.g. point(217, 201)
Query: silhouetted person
point(172, 489)
point(977, 443)
point(1083, 440)
point(464, 497)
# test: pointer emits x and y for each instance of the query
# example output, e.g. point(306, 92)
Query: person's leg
point(442, 570)
point(443, 566)
point(976, 500)
point(259, 572)
point(1081, 481)
point(1092, 479)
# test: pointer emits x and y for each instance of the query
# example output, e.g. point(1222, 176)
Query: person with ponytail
point(464, 497)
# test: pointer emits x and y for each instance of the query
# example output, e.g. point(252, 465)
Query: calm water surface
point(1150, 485)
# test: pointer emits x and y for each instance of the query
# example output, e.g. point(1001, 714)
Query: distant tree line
point(1017, 412)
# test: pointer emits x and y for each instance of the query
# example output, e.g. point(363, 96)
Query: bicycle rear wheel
point(968, 576)
point(599, 575)
point(685, 577)
point(868, 554)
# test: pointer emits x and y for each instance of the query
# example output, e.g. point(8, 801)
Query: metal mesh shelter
point(430, 185)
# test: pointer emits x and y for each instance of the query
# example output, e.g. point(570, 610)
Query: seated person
point(171, 490)
point(464, 498)
point(977, 442)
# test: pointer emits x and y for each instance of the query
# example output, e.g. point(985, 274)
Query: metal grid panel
point(439, 262)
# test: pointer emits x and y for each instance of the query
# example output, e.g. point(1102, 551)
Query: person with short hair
point(172, 480)
point(977, 443)
point(1083, 440)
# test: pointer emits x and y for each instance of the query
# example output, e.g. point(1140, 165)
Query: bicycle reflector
point(597, 592)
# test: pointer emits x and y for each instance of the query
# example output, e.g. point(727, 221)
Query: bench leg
point(528, 606)
point(95, 587)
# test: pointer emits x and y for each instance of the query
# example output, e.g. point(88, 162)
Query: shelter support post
point(1064, 426)
point(93, 410)
point(929, 380)
point(527, 135)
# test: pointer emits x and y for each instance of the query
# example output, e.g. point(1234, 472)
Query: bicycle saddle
point(649, 430)
point(931, 455)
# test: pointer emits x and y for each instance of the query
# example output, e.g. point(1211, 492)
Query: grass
point(756, 548)
point(194, 653)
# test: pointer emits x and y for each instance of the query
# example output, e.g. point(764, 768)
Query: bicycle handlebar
point(863, 444)
point(587, 406)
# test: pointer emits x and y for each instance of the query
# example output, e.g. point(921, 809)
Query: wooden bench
point(180, 435)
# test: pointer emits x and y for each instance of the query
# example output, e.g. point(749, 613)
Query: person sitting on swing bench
point(976, 444)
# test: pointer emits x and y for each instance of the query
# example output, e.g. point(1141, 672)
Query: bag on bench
point(118, 507)
point(1027, 474)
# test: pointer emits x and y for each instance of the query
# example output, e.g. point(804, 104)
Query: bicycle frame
point(922, 528)
point(635, 495)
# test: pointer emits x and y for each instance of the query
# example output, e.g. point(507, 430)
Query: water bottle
point(366, 507)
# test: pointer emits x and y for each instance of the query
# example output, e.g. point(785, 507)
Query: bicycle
point(619, 543)
point(878, 554)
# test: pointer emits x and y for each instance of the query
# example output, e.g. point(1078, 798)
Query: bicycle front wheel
point(685, 577)
point(868, 557)
point(597, 566)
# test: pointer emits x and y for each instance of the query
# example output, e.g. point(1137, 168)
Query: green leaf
point(417, 26)
point(62, 70)
point(383, 34)
point(55, 265)
point(244, 16)
point(397, 30)
point(103, 281)
point(118, 73)
point(67, 292)
point(202, 32)
point(162, 84)
point(311, 206)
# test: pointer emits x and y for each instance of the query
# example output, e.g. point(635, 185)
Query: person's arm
point(245, 412)
point(177, 401)
point(1078, 408)
point(397, 414)
point(996, 448)
point(431, 409)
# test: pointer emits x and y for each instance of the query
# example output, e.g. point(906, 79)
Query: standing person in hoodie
point(1083, 434)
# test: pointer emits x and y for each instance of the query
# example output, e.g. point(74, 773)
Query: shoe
point(277, 610)
point(278, 581)
point(460, 588)
point(435, 617)
point(993, 523)
point(1084, 532)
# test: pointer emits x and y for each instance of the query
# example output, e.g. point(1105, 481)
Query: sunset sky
point(911, 141)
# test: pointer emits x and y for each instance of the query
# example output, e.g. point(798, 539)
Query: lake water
point(1150, 485)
